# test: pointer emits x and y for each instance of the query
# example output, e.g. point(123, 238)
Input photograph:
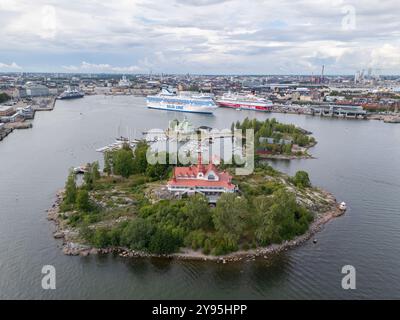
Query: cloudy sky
point(200, 36)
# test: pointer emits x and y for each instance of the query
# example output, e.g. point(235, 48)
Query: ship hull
point(245, 106)
point(181, 108)
point(68, 98)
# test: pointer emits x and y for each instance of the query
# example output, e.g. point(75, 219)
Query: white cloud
point(205, 36)
point(10, 67)
point(387, 56)
point(100, 68)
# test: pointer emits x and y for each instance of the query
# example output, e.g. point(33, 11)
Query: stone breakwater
point(71, 245)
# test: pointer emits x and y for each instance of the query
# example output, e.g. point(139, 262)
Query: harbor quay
point(371, 98)
point(18, 115)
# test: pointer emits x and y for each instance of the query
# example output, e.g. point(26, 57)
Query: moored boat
point(71, 94)
point(343, 206)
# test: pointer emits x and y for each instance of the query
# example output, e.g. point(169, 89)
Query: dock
point(24, 112)
point(4, 132)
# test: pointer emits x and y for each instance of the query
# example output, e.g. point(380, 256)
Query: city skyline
point(200, 37)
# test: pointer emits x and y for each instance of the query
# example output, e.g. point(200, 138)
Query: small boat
point(80, 170)
point(343, 206)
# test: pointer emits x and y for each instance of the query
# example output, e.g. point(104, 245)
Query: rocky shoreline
point(285, 157)
point(306, 155)
point(72, 247)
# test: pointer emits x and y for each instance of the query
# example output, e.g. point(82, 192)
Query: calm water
point(358, 161)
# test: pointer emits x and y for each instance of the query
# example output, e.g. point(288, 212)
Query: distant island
point(275, 140)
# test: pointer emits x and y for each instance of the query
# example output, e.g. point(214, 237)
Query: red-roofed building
point(205, 179)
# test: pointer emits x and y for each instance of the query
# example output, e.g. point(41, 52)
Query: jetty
point(4, 131)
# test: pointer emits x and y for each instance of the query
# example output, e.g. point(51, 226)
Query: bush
point(195, 239)
point(164, 241)
point(198, 212)
point(280, 218)
point(82, 200)
point(223, 245)
point(70, 189)
point(301, 179)
point(100, 238)
point(232, 216)
point(123, 162)
point(137, 234)
point(4, 97)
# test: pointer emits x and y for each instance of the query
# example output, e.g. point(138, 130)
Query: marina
point(118, 144)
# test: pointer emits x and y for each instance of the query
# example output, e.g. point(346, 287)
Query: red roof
point(187, 177)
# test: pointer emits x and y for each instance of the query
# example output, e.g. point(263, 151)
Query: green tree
point(164, 241)
point(280, 218)
point(88, 177)
point(277, 220)
point(95, 171)
point(301, 179)
point(82, 200)
point(231, 216)
point(198, 213)
point(70, 189)
point(91, 175)
point(100, 238)
point(4, 97)
point(287, 148)
point(137, 234)
point(108, 166)
point(140, 157)
point(157, 170)
point(123, 163)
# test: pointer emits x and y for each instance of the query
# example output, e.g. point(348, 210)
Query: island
point(201, 211)
point(275, 140)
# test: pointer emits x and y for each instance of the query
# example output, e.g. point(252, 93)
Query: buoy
point(343, 206)
point(315, 240)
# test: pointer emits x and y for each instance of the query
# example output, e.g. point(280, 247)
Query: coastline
point(306, 155)
point(73, 248)
point(285, 157)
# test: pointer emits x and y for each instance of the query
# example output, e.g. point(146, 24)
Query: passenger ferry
point(167, 100)
point(244, 102)
point(71, 94)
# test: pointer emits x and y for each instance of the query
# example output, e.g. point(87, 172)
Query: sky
point(200, 36)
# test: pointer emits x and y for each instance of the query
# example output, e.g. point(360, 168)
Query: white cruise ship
point(244, 102)
point(167, 100)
